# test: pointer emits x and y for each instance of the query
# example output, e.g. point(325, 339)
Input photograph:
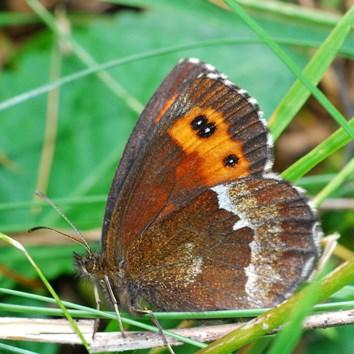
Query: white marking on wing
point(195, 269)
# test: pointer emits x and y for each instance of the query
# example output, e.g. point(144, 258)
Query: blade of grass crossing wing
point(90, 311)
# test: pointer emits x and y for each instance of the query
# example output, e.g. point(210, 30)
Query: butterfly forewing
point(146, 130)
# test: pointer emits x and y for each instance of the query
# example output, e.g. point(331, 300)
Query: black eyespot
point(207, 130)
point(231, 160)
point(198, 122)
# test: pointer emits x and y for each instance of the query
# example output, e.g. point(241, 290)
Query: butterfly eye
point(231, 160)
point(198, 122)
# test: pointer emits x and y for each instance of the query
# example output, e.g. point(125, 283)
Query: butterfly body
point(195, 219)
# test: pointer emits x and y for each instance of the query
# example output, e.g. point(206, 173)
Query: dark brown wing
point(198, 131)
point(240, 245)
point(143, 132)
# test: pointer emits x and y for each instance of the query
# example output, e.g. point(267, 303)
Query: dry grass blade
point(59, 331)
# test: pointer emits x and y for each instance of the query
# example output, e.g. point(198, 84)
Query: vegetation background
point(67, 142)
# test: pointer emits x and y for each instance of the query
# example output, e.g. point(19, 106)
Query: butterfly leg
point(157, 324)
point(98, 306)
point(115, 305)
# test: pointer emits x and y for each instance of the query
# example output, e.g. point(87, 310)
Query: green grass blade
point(11, 349)
point(92, 313)
point(292, 11)
point(89, 312)
point(333, 143)
point(73, 324)
point(287, 339)
point(88, 199)
point(267, 8)
point(337, 181)
point(85, 57)
point(314, 71)
point(292, 65)
point(41, 90)
point(316, 180)
point(305, 182)
point(44, 311)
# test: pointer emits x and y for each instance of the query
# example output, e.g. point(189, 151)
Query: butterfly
point(195, 219)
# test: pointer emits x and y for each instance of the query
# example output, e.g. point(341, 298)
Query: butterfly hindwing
point(240, 245)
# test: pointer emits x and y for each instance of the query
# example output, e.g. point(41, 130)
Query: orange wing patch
point(211, 152)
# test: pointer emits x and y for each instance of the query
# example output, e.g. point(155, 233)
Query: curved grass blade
point(85, 57)
point(41, 90)
point(287, 338)
point(73, 324)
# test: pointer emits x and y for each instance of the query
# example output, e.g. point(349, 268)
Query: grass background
point(95, 117)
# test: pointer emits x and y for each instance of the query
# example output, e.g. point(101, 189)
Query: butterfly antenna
point(81, 239)
point(36, 228)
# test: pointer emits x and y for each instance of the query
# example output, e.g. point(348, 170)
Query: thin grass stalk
point(43, 89)
point(85, 57)
point(336, 182)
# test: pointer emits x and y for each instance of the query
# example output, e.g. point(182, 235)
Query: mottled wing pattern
point(239, 245)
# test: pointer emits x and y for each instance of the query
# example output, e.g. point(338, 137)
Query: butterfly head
point(88, 265)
